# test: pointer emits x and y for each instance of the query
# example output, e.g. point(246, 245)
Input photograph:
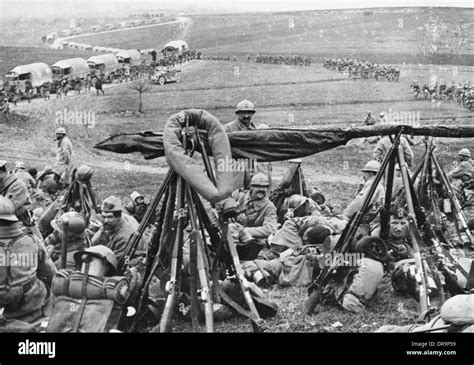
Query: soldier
point(382, 118)
point(384, 145)
point(369, 120)
point(245, 110)
point(15, 190)
point(98, 86)
point(371, 219)
point(24, 176)
point(257, 215)
point(116, 229)
point(5, 108)
point(137, 206)
point(28, 272)
point(75, 238)
point(63, 166)
point(463, 163)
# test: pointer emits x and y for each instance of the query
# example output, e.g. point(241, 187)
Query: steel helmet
point(135, 195)
point(49, 186)
point(20, 165)
point(77, 223)
point(295, 201)
point(7, 210)
point(60, 130)
point(100, 251)
point(245, 106)
point(382, 114)
point(259, 180)
point(465, 152)
point(371, 166)
point(111, 204)
point(83, 173)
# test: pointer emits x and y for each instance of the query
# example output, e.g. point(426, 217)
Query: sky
point(78, 7)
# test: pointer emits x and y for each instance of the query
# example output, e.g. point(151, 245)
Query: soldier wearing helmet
point(116, 228)
point(63, 165)
point(287, 246)
point(25, 271)
point(257, 214)
point(24, 176)
point(369, 120)
point(72, 227)
point(245, 110)
point(463, 164)
point(384, 145)
point(372, 218)
point(137, 206)
point(15, 190)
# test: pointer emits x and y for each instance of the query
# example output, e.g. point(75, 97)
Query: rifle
point(461, 218)
point(64, 244)
point(227, 242)
point(176, 259)
point(415, 235)
point(343, 244)
point(136, 236)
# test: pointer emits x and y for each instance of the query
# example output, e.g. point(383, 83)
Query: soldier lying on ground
point(290, 256)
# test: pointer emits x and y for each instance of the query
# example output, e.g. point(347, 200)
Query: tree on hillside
point(141, 86)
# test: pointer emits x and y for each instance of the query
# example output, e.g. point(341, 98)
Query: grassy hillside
point(147, 37)
point(386, 36)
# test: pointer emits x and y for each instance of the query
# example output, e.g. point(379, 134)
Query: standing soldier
point(5, 107)
point(98, 86)
point(245, 110)
point(23, 284)
point(63, 166)
point(369, 120)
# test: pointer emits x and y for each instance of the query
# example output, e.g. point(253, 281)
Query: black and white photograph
point(301, 168)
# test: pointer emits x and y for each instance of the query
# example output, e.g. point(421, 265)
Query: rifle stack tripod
point(422, 233)
point(212, 252)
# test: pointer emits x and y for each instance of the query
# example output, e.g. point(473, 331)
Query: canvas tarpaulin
point(189, 168)
point(277, 144)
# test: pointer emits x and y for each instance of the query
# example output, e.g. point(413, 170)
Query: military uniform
point(257, 216)
point(372, 218)
point(384, 145)
point(15, 190)
point(63, 165)
point(117, 238)
point(27, 179)
point(26, 272)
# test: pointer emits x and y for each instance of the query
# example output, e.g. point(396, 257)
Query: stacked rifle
point(431, 246)
point(212, 254)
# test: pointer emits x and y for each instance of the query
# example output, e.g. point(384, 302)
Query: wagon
point(104, 66)
point(71, 69)
point(30, 76)
point(131, 57)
